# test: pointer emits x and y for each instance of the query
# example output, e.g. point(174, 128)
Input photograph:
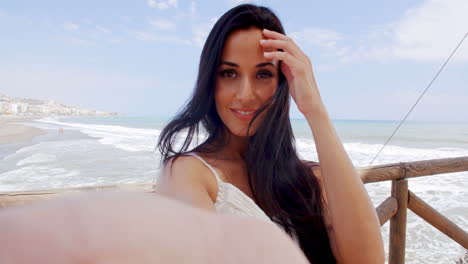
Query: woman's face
point(245, 81)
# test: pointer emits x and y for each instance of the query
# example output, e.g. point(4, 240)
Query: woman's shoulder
point(313, 166)
point(315, 171)
point(310, 163)
point(187, 169)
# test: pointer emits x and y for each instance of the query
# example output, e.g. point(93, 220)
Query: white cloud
point(103, 30)
point(83, 42)
point(200, 31)
point(434, 105)
point(325, 39)
point(238, 2)
point(319, 36)
point(151, 36)
point(162, 4)
point(429, 32)
point(83, 87)
point(88, 21)
point(115, 40)
point(126, 19)
point(162, 24)
point(70, 27)
point(145, 36)
point(193, 8)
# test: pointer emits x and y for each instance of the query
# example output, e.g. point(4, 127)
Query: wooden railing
point(394, 208)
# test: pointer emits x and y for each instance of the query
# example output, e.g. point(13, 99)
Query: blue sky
point(372, 59)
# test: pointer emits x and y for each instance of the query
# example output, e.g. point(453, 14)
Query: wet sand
point(11, 133)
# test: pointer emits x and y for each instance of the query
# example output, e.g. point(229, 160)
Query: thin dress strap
point(206, 164)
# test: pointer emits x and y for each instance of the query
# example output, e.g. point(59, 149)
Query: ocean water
point(114, 150)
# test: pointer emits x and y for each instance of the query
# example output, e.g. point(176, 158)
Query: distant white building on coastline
point(15, 106)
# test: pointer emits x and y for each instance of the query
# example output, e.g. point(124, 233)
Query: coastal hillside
point(25, 107)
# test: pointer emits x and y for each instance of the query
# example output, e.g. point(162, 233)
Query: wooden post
point(387, 209)
point(436, 219)
point(398, 223)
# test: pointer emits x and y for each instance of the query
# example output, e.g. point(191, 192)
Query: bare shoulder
point(314, 169)
point(317, 173)
point(186, 165)
point(187, 179)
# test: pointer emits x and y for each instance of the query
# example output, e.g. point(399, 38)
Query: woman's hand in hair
point(297, 68)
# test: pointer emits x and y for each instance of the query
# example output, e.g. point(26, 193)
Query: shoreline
point(17, 136)
point(14, 136)
point(12, 133)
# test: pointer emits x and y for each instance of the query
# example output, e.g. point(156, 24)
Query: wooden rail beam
point(387, 209)
point(8, 199)
point(379, 173)
point(435, 166)
point(394, 171)
point(398, 223)
point(436, 219)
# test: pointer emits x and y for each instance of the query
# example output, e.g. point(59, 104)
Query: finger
point(274, 35)
point(280, 44)
point(292, 62)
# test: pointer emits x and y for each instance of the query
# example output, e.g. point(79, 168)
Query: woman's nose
point(245, 91)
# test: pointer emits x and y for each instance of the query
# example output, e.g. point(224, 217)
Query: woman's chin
point(243, 133)
point(239, 132)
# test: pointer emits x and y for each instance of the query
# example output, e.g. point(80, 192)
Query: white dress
point(231, 200)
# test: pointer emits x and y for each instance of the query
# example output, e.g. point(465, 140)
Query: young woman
point(248, 164)
point(246, 172)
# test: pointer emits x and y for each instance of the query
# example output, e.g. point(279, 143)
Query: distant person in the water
point(61, 130)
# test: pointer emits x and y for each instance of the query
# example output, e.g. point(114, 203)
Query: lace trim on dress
point(231, 199)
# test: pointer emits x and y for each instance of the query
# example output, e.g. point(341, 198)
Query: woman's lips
point(243, 114)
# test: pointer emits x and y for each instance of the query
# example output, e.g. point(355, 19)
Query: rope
point(428, 86)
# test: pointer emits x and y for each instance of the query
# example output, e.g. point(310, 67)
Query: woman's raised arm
point(356, 227)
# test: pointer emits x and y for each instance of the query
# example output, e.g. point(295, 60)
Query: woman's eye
point(228, 73)
point(264, 74)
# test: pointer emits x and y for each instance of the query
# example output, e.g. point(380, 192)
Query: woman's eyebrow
point(230, 63)
point(265, 64)
point(258, 65)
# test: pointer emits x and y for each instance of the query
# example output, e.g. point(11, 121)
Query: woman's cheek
point(222, 100)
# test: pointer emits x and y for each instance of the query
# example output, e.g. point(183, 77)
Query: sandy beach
point(14, 133)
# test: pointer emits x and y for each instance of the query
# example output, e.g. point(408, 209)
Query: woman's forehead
point(243, 45)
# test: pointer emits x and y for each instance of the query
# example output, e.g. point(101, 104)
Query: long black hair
point(282, 185)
